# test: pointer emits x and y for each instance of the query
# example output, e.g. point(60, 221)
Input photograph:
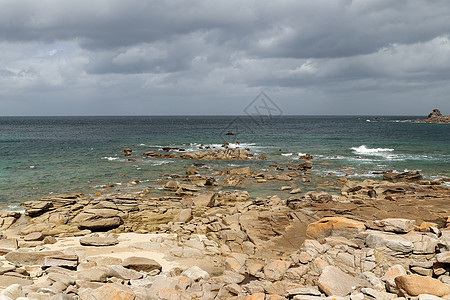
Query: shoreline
point(211, 234)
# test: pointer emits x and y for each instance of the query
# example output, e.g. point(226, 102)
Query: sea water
point(40, 156)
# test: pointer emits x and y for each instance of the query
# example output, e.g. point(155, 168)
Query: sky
point(136, 57)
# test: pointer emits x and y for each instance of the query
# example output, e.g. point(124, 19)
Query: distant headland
point(435, 117)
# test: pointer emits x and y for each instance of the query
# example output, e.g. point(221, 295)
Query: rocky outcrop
point(435, 117)
point(227, 154)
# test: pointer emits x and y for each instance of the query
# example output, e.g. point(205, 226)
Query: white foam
point(110, 158)
point(370, 151)
point(287, 154)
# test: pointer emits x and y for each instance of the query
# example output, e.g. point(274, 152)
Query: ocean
point(56, 155)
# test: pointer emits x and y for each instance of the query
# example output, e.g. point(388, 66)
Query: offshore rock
point(410, 176)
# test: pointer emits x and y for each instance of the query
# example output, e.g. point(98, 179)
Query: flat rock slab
point(335, 282)
point(34, 236)
point(141, 264)
point(98, 241)
point(6, 281)
point(29, 258)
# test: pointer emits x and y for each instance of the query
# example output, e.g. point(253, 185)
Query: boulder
point(121, 272)
point(68, 261)
point(207, 198)
point(334, 282)
point(192, 172)
point(34, 236)
point(334, 226)
point(319, 196)
point(195, 273)
point(397, 225)
point(113, 291)
point(414, 285)
point(396, 243)
point(443, 257)
point(236, 262)
point(141, 264)
point(184, 216)
point(275, 269)
point(98, 220)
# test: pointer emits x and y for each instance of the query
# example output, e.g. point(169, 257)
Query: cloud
point(214, 54)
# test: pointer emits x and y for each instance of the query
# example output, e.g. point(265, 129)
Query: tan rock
point(414, 285)
point(114, 291)
point(141, 264)
point(334, 282)
point(334, 226)
point(275, 269)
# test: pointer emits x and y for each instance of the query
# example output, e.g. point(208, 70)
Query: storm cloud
point(212, 57)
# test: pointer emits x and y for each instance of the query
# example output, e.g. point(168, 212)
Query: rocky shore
point(206, 237)
point(435, 117)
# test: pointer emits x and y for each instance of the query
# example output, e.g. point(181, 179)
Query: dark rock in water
point(436, 117)
point(410, 176)
point(127, 151)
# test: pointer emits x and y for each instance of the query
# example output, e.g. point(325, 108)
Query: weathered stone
point(414, 285)
point(195, 273)
point(394, 242)
point(9, 244)
point(141, 264)
point(13, 291)
point(275, 270)
point(29, 258)
point(295, 191)
point(34, 236)
point(410, 176)
point(443, 257)
point(424, 243)
point(334, 226)
point(120, 272)
point(319, 196)
point(97, 274)
point(236, 263)
point(98, 241)
point(334, 282)
point(393, 225)
point(184, 216)
point(114, 291)
point(6, 280)
point(70, 261)
point(207, 198)
point(98, 220)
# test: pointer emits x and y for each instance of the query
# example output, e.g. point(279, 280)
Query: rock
point(443, 257)
point(6, 281)
point(37, 208)
point(171, 186)
point(120, 272)
point(29, 258)
point(68, 261)
point(127, 151)
point(397, 243)
point(98, 241)
point(184, 216)
point(50, 240)
point(243, 171)
point(141, 264)
point(319, 196)
point(410, 176)
point(195, 273)
point(34, 236)
point(236, 263)
point(393, 225)
point(334, 226)
point(113, 291)
point(295, 191)
point(97, 274)
point(10, 244)
point(334, 282)
point(13, 291)
point(414, 285)
point(393, 272)
point(192, 172)
point(423, 243)
point(61, 296)
point(435, 117)
point(233, 196)
point(98, 220)
point(275, 270)
point(207, 198)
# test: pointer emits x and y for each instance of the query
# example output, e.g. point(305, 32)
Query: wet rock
point(233, 196)
point(192, 172)
point(410, 176)
point(98, 241)
point(414, 285)
point(242, 171)
point(319, 196)
point(295, 191)
point(141, 264)
point(126, 151)
point(334, 282)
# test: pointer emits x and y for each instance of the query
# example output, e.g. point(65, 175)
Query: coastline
point(211, 238)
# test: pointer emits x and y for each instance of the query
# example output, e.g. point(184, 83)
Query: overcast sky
point(108, 57)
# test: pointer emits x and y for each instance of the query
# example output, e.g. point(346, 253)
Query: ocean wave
point(287, 154)
point(110, 158)
point(370, 151)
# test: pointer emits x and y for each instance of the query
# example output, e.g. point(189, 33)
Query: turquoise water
point(43, 155)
